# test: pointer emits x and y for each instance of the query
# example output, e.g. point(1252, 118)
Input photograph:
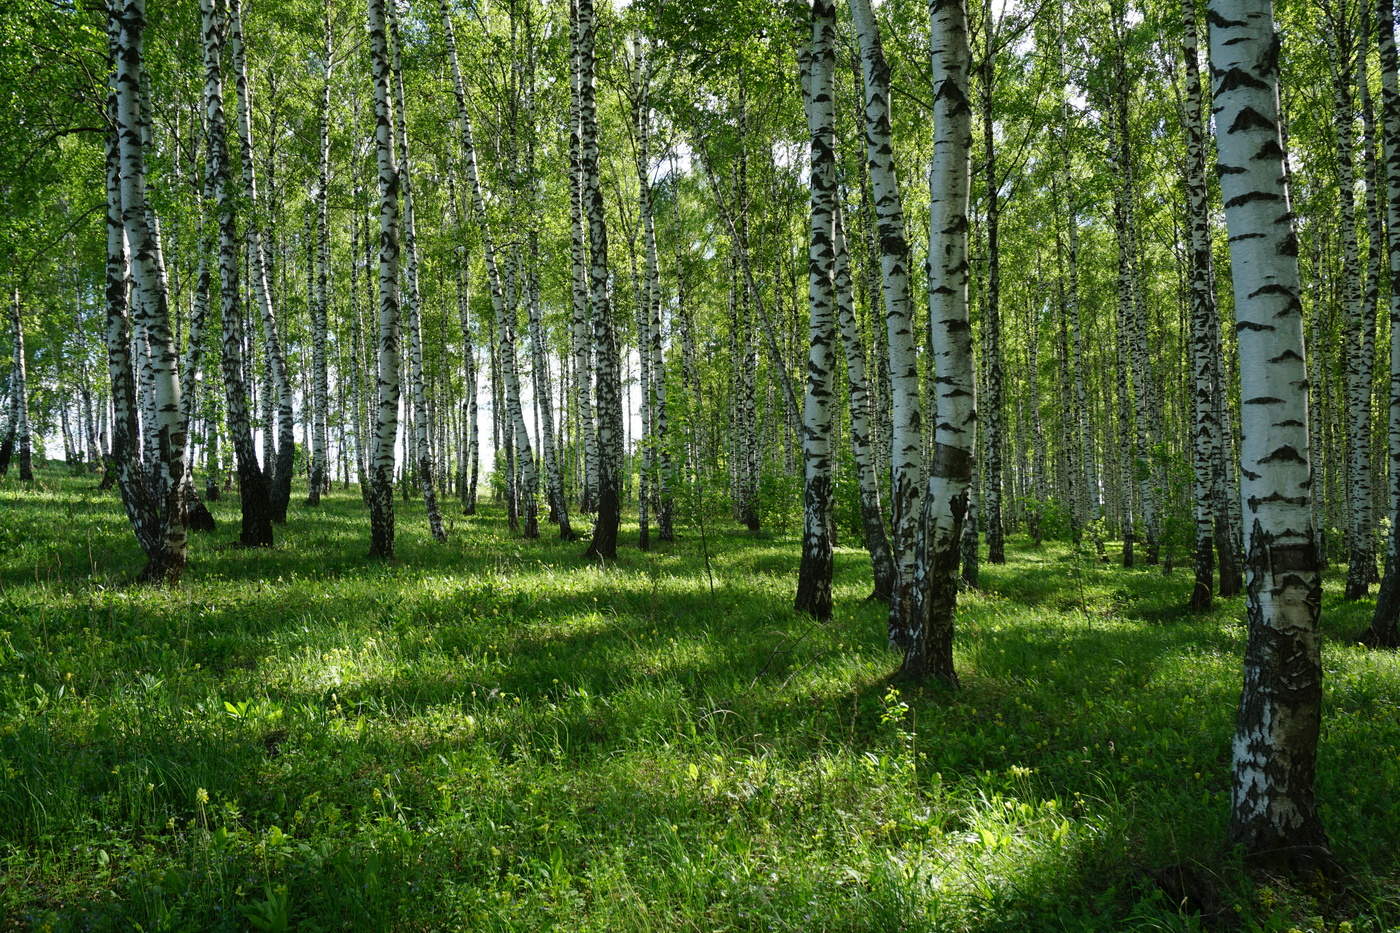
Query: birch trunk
point(1274, 812)
point(19, 387)
point(906, 455)
point(608, 388)
point(929, 652)
point(166, 559)
point(1205, 328)
point(1360, 559)
point(580, 331)
point(818, 93)
point(253, 492)
point(381, 495)
point(1385, 624)
point(320, 381)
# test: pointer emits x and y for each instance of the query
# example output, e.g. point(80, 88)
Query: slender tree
point(386, 422)
point(411, 296)
point(280, 474)
point(1385, 623)
point(906, 455)
point(320, 380)
point(818, 97)
point(607, 365)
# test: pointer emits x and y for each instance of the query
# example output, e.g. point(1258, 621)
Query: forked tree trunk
point(253, 490)
point(280, 470)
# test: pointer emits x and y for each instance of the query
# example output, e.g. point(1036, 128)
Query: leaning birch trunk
point(124, 462)
point(1205, 334)
point(167, 559)
point(386, 422)
point(1274, 812)
point(412, 299)
point(280, 475)
point(906, 453)
point(818, 93)
point(504, 310)
point(930, 652)
point(872, 518)
point(1385, 624)
point(320, 382)
point(253, 492)
point(608, 387)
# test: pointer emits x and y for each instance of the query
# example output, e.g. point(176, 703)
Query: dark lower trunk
point(1231, 581)
point(1385, 621)
point(814, 572)
point(665, 526)
point(280, 491)
point(253, 494)
point(7, 451)
point(968, 548)
point(604, 543)
point(1360, 569)
point(1205, 569)
point(381, 513)
point(1274, 814)
point(317, 482)
point(197, 514)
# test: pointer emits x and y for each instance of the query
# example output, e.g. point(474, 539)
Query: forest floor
point(496, 735)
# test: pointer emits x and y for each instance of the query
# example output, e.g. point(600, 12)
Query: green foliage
point(494, 734)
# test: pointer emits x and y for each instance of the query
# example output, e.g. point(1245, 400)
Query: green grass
point(496, 735)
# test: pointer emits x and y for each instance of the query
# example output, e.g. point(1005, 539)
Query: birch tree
point(1274, 809)
point(906, 455)
point(929, 650)
point(386, 422)
point(818, 98)
point(280, 474)
point(1384, 630)
point(165, 540)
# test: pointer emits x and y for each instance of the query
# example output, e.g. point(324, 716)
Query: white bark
point(1274, 812)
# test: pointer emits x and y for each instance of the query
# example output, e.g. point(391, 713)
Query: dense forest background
point(549, 347)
